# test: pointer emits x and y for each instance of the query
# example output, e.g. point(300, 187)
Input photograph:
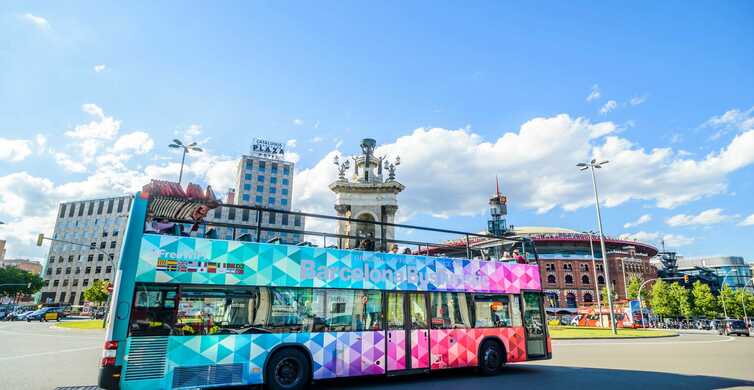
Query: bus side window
point(516, 306)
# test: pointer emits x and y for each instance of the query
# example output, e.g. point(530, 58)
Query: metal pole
point(641, 307)
point(596, 284)
point(468, 247)
point(625, 283)
point(604, 252)
point(721, 290)
point(259, 225)
point(183, 159)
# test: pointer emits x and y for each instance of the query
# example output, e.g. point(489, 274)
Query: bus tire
point(491, 357)
point(288, 369)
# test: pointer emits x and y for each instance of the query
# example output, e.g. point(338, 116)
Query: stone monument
point(366, 195)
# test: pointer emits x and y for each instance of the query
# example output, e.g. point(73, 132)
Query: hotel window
point(90, 258)
point(62, 211)
point(273, 180)
point(75, 282)
point(260, 188)
point(284, 202)
point(231, 213)
point(601, 279)
point(245, 197)
point(274, 168)
point(110, 205)
point(98, 269)
point(284, 191)
point(100, 207)
point(81, 209)
point(58, 271)
point(109, 269)
point(271, 218)
point(245, 213)
point(584, 279)
point(88, 270)
point(550, 267)
point(286, 171)
point(584, 267)
point(551, 279)
point(100, 257)
point(600, 267)
point(261, 166)
point(248, 164)
point(285, 182)
point(260, 178)
point(247, 176)
point(55, 283)
point(71, 210)
point(297, 220)
point(90, 209)
point(218, 212)
point(284, 218)
point(258, 199)
point(85, 282)
point(273, 190)
point(68, 271)
point(271, 200)
point(65, 282)
point(112, 244)
point(569, 279)
point(568, 267)
point(247, 187)
point(120, 205)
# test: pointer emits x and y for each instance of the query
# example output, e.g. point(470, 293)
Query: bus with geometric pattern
point(189, 311)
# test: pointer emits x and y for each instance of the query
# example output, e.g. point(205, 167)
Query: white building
point(71, 268)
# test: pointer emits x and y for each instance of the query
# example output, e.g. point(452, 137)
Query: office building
point(23, 264)
point(94, 231)
point(731, 271)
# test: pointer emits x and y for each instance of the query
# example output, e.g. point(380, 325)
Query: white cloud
point(317, 139)
point(748, 221)
point(298, 122)
point(65, 161)
point(14, 150)
point(733, 120)
point(291, 143)
point(608, 106)
point(41, 142)
point(642, 220)
point(100, 68)
point(636, 100)
point(594, 94)
point(670, 240)
point(104, 128)
point(193, 131)
point(707, 217)
point(137, 142)
point(37, 21)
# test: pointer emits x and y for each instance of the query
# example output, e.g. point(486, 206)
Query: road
point(36, 356)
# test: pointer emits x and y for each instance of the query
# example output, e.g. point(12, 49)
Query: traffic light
point(40, 238)
point(685, 278)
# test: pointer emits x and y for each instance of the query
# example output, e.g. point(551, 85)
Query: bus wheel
point(288, 369)
point(490, 358)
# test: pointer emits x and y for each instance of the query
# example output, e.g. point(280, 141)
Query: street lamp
point(721, 290)
point(177, 144)
point(596, 280)
point(591, 166)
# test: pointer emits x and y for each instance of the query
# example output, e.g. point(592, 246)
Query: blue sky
point(92, 93)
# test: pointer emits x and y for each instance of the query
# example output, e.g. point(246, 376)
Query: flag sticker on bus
point(171, 265)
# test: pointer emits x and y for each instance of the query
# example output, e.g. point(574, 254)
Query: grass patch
point(575, 332)
point(85, 324)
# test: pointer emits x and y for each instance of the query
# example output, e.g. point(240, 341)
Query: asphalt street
point(37, 356)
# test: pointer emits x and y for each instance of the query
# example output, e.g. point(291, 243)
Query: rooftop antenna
point(497, 186)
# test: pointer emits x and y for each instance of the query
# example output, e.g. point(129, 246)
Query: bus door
point(407, 331)
point(536, 339)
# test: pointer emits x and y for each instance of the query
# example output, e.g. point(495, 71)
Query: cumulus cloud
point(636, 100)
point(298, 122)
point(70, 165)
point(642, 220)
point(137, 142)
point(733, 120)
point(671, 241)
point(291, 143)
point(37, 21)
point(608, 106)
point(594, 94)
point(100, 68)
point(104, 127)
point(14, 150)
point(707, 217)
point(748, 221)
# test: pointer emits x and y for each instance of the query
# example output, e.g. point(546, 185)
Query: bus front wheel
point(288, 369)
point(491, 358)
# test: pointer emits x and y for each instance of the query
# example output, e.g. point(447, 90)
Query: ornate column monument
point(367, 196)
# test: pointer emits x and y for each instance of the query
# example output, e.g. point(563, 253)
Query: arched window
point(570, 300)
point(601, 279)
point(553, 299)
point(569, 279)
point(585, 279)
point(588, 298)
point(551, 279)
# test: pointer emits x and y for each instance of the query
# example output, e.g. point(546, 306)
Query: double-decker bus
point(189, 311)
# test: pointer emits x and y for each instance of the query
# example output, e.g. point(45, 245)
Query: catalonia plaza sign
point(267, 149)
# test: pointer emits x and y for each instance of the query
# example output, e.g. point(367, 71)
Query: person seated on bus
point(394, 249)
point(506, 256)
point(407, 251)
point(519, 259)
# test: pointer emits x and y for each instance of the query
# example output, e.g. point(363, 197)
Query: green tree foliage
point(633, 287)
point(727, 300)
point(97, 293)
point(704, 303)
point(603, 296)
point(21, 279)
point(744, 298)
point(679, 301)
point(661, 302)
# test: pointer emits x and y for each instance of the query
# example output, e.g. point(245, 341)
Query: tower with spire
point(498, 211)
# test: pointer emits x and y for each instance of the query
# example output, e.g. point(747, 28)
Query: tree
point(661, 305)
point(633, 287)
point(97, 293)
point(679, 301)
point(704, 302)
point(744, 297)
point(22, 281)
point(727, 300)
point(604, 295)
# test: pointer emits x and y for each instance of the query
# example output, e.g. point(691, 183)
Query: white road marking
point(47, 353)
point(728, 338)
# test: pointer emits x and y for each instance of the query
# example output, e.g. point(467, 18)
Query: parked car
point(19, 316)
point(45, 314)
point(736, 327)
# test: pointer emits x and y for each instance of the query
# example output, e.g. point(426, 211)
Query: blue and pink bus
point(188, 311)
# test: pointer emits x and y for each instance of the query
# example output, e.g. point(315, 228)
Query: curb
point(616, 338)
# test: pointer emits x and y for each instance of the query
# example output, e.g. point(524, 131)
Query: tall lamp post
point(591, 166)
point(725, 311)
point(177, 144)
point(596, 280)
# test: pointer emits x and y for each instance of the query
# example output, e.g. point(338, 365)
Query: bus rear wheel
point(288, 369)
point(491, 358)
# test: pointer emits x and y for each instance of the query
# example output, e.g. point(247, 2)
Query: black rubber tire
point(491, 358)
point(287, 369)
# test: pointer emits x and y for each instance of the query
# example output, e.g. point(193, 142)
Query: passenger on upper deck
point(519, 259)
